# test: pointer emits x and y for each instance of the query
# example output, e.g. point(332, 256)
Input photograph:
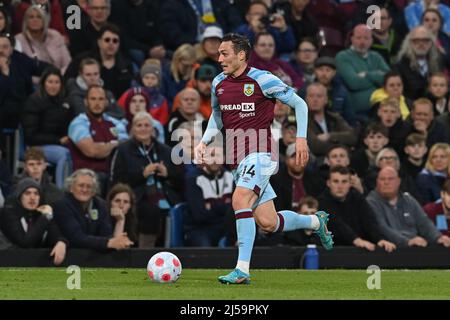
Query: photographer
point(259, 20)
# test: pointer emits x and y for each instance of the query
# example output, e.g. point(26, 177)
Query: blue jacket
point(90, 230)
point(430, 184)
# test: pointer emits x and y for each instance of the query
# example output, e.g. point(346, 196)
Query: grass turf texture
point(33, 283)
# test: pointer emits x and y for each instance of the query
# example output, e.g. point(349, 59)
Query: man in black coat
point(352, 222)
point(28, 224)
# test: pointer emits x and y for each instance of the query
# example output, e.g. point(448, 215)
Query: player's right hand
point(199, 152)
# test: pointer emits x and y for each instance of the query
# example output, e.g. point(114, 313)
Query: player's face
point(228, 59)
point(35, 169)
point(388, 115)
point(438, 87)
point(339, 185)
point(394, 87)
point(338, 157)
point(30, 199)
point(439, 160)
point(122, 201)
point(83, 188)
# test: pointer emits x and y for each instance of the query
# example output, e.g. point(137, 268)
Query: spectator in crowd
point(325, 128)
point(415, 151)
point(208, 194)
point(116, 69)
point(145, 165)
point(181, 70)
point(400, 217)
point(137, 100)
point(94, 136)
point(188, 111)
point(89, 75)
point(386, 40)
point(288, 134)
point(304, 58)
point(302, 237)
point(5, 21)
point(53, 13)
point(375, 137)
point(362, 70)
point(35, 167)
point(258, 20)
point(184, 21)
point(436, 172)
point(444, 120)
point(139, 24)
point(354, 222)
point(83, 217)
point(439, 211)
point(28, 222)
point(39, 41)
point(202, 82)
point(45, 120)
point(85, 38)
point(281, 113)
point(417, 59)
point(422, 121)
point(338, 101)
point(298, 18)
point(415, 10)
point(432, 19)
point(121, 203)
point(207, 51)
point(264, 57)
point(392, 88)
point(387, 157)
point(16, 70)
point(438, 93)
point(291, 182)
point(388, 114)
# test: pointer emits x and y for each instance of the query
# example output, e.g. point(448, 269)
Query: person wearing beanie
point(29, 224)
point(150, 80)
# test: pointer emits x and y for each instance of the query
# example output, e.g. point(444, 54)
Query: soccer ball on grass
point(164, 267)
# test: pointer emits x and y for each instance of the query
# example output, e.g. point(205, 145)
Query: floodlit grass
point(34, 283)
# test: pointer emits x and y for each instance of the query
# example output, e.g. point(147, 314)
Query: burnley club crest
point(249, 88)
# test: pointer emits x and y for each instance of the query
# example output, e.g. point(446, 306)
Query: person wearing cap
point(207, 52)
point(202, 82)
point(28, 223)
point(150, 84)
point(338, 101)
point(362, 71)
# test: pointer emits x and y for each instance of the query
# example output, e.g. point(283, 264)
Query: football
point(164, 267)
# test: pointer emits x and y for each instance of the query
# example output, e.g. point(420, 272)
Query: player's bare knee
point(266, 224)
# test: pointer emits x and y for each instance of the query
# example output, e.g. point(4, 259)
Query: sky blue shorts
point(254, 173)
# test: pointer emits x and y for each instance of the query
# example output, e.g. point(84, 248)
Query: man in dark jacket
point(353, 222)
point(182, 21)
point(208, 194)
point(83, 217)
point(16, 70)
point(28, 224)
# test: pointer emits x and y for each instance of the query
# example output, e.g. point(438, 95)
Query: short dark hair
point(446, 186)
point(240, 43)
point(8, 36)
point(390, 74)
point(87, 62)
point(310, 201)
point(109, 27)
point(338, 146)
point(34, 153)
point(374, 128)
point(415, 138)
point(50, 71)
point(339, 169)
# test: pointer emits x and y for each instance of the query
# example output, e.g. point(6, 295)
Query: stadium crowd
point(102, 109)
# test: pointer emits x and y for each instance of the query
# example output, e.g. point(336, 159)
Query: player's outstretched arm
point(301, 116)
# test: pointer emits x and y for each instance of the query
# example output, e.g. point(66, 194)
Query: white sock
point(315, 223)
point(244, 266)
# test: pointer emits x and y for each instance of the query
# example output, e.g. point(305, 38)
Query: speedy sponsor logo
point(244, 107)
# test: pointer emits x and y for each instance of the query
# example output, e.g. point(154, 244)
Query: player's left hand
point(301, 151)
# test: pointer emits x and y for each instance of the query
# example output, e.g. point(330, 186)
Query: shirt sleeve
point(79, 129)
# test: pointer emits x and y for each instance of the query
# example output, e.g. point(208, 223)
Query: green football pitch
point(34, 283)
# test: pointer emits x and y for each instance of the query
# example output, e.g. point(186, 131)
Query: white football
point(164, 267)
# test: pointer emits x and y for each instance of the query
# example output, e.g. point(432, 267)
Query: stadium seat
point(15, 148)
point(175, 226)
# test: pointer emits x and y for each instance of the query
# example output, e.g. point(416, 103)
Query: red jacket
point(434, 209)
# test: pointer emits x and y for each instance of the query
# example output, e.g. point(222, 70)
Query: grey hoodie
point(404, 221)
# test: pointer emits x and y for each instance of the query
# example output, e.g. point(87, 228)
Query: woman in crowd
point(45, 120)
